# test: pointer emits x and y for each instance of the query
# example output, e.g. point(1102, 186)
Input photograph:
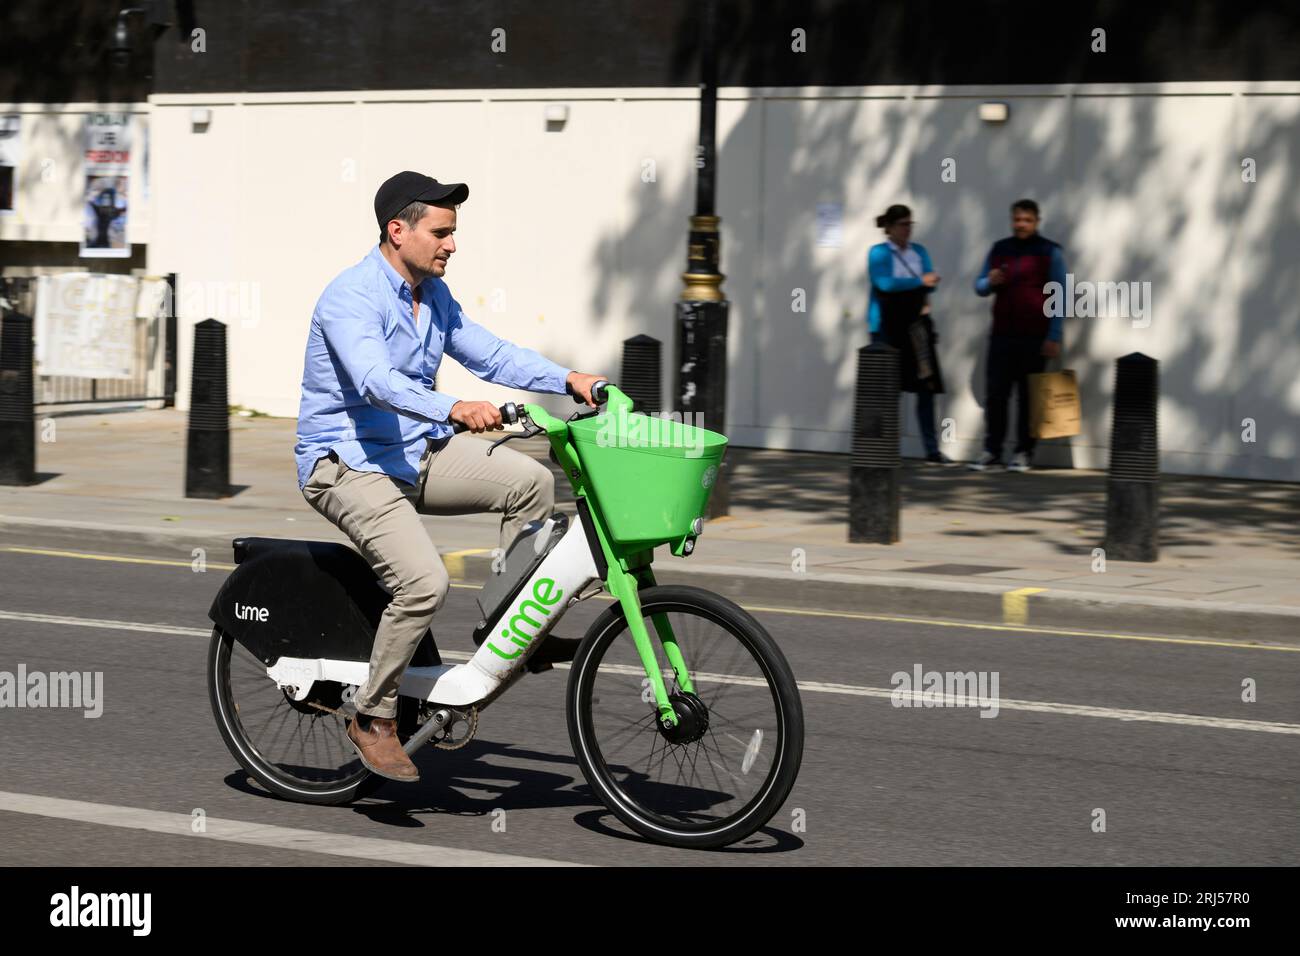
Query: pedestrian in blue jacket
point(902, 277)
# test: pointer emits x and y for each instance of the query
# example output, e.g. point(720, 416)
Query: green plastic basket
point(652, 476)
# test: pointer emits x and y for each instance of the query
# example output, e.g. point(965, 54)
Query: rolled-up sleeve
point(353, 327)
point(496, 360)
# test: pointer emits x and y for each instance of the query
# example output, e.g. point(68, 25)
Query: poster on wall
point(107, 168)
point(830, 225)
point(86, 325)
point(10, 153)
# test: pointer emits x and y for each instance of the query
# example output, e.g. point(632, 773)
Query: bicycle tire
point(756, 811)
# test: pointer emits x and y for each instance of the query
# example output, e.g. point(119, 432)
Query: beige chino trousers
point(380, 514)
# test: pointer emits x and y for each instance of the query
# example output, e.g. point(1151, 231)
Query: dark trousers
point(1012, 359)
point(925, 418)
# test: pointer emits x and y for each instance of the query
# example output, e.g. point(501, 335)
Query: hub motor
point(692, 719)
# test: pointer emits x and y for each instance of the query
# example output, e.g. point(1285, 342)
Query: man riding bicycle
point(375, 441)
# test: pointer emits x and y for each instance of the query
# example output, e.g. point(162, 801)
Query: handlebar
point(509, 416)
point(511, 413)
point(598, 393)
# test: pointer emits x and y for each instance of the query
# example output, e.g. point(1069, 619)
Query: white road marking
point(107, 625)
point(261, 834)
point(818, 687)
point(1079, 710)
point(1037, 706)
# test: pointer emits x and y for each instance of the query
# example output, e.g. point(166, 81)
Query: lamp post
point(701, 370)
point(121, 47)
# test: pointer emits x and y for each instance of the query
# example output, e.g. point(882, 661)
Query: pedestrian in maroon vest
point(1024, 335)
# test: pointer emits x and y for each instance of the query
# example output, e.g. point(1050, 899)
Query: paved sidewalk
point(112, 483)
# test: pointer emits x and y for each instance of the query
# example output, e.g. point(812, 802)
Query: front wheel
point(731, 762)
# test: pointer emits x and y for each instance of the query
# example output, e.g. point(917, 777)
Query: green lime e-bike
point(682, 711)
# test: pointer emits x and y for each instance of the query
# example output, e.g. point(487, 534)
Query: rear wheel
point(298, 750)
point(731, 762)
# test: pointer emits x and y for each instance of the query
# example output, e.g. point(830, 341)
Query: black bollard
point(701, 380)
point(169, 345)
point(642, 373)
point(17, 411)
point(1133, 485)
point(875, 463)
point(207, 448)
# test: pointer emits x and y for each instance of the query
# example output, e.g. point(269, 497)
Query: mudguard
point(305, 599)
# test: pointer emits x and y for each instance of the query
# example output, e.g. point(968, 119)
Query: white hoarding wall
point(574, 239)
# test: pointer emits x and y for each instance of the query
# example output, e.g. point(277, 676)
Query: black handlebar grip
point(597, 393)
point(509, 416)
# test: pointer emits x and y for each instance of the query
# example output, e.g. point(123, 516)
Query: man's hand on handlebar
point(477, 416)
point(580, 385)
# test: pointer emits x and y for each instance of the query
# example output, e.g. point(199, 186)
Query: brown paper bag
point(1053, 404)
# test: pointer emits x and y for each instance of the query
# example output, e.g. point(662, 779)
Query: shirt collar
point(893, 245)
point(391, 274)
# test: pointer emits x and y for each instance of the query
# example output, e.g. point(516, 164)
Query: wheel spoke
point(292, 742)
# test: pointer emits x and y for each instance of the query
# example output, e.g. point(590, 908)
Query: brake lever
point(530, 432)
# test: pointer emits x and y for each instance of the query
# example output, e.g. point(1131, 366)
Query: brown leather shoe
point(381, 751)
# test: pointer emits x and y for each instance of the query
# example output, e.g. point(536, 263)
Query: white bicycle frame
point(552, 588)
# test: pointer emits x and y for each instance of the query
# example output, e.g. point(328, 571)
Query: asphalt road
point(1154, 732)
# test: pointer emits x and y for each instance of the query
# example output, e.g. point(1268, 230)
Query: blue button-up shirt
point(367, 383)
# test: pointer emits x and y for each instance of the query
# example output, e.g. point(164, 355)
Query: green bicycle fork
point(646, 579)
point(625, 587)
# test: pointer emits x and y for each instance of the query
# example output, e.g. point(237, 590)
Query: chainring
point(467, 718)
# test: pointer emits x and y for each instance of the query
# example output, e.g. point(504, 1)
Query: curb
point(881, 595)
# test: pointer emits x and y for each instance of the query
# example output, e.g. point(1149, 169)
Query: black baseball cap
point(407, 187)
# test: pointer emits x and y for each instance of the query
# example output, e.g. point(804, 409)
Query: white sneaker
point(984, 462)
point(1019, 462)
